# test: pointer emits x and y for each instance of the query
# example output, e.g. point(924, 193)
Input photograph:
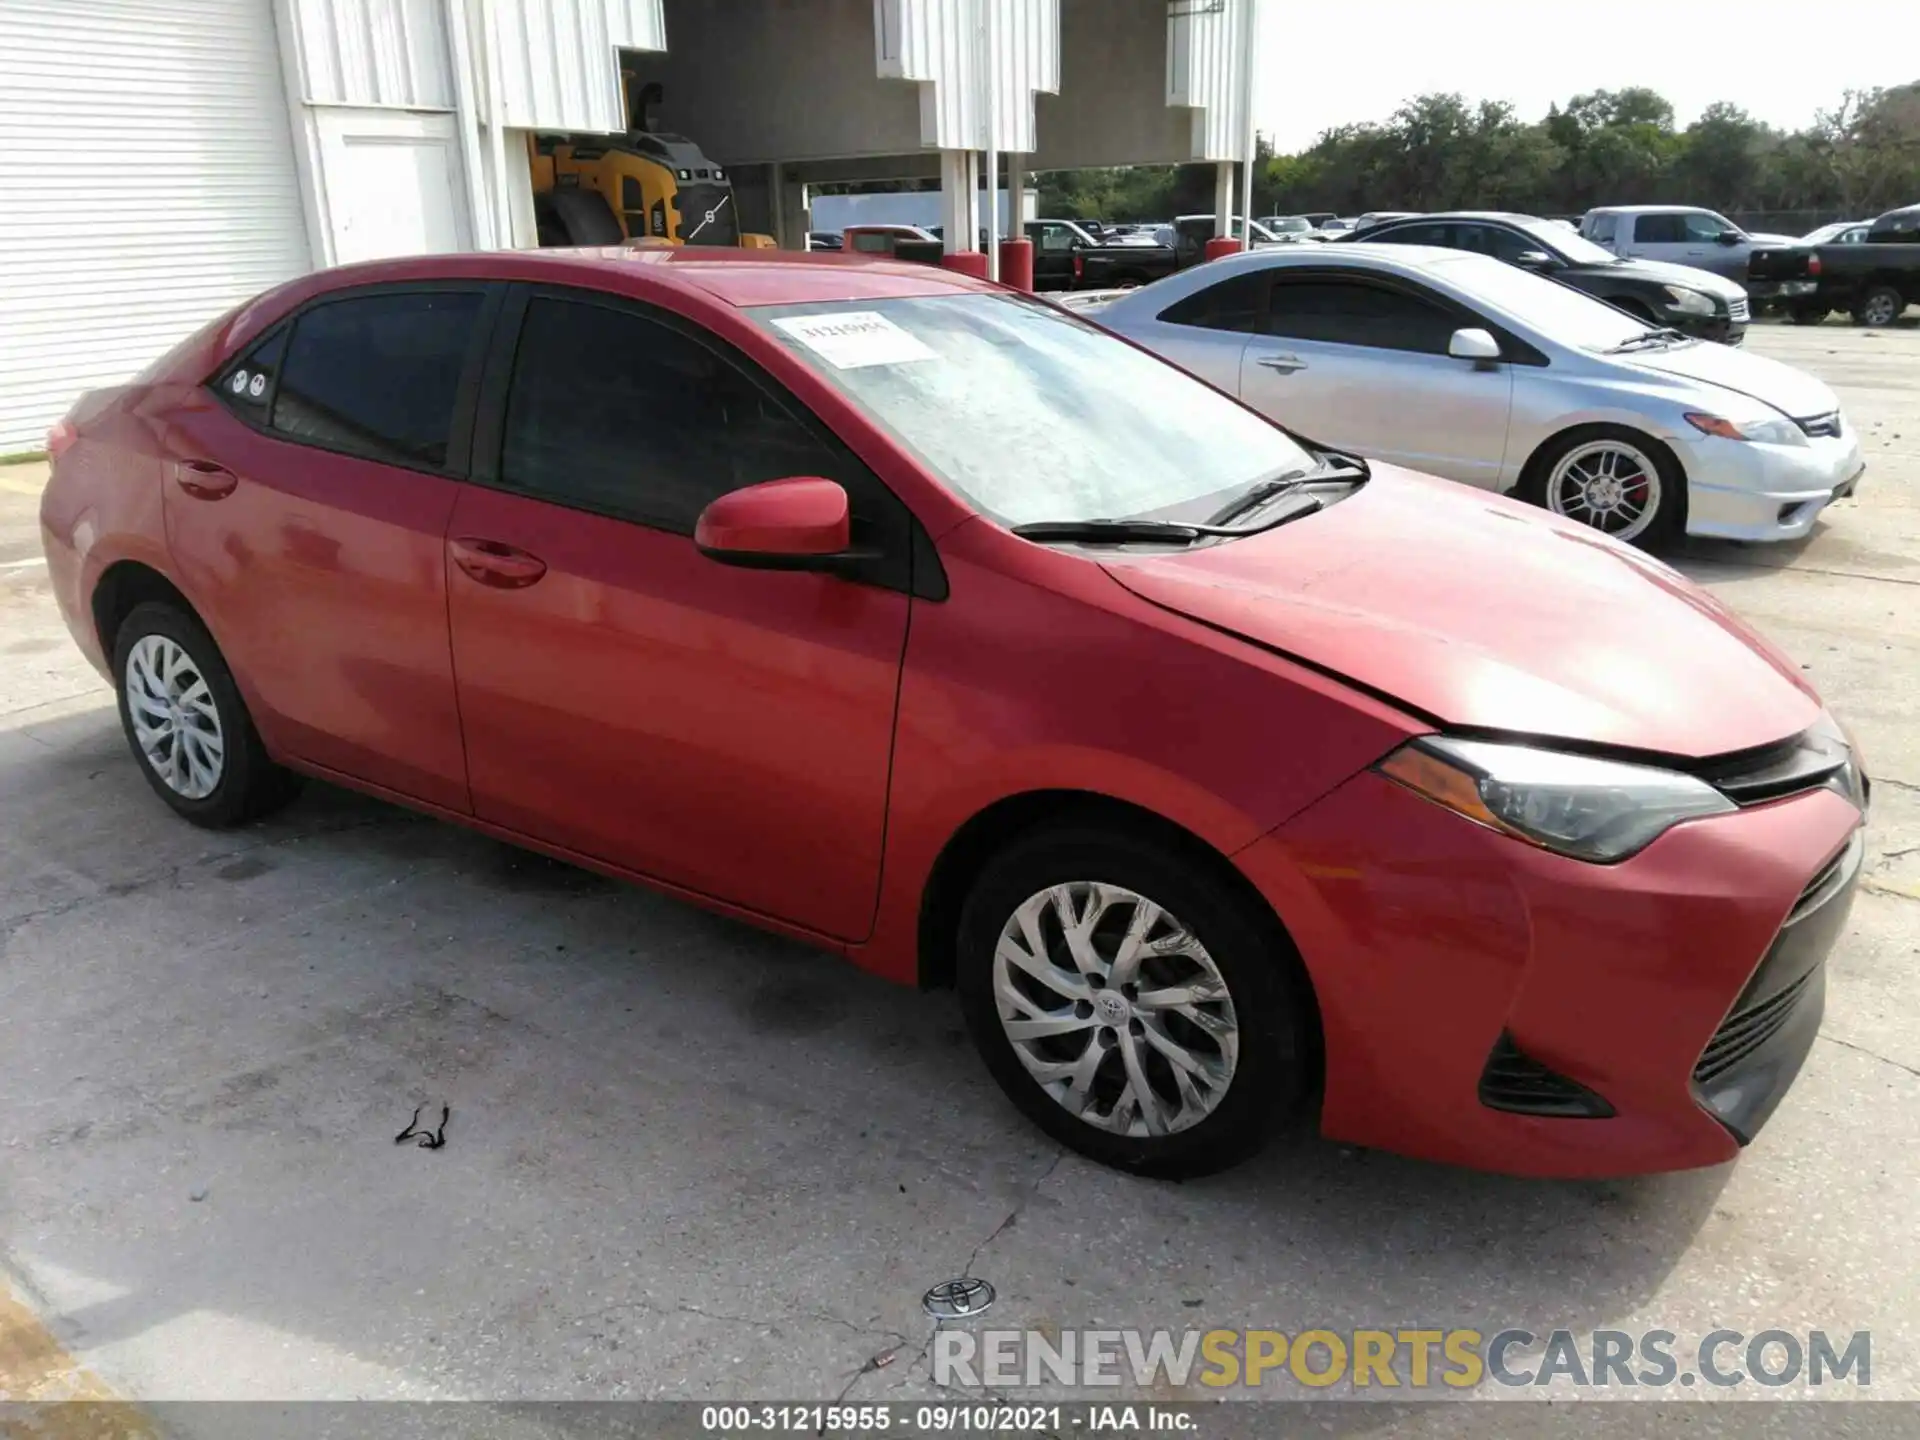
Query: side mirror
point(1730, 237)
point(1534, 260)
point(800, 523)
point(1473, 344)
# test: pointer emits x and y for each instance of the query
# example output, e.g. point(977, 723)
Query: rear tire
point(1245, 1027)
point(1612, 479)
point(1880, 307)
point(186, 724)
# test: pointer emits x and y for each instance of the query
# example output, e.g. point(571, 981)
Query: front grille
point(1833, 875)
point(1821, 426)
point(1747, 1029)
point(1773, 772)
point(1737, 309)
point(1514, 1081)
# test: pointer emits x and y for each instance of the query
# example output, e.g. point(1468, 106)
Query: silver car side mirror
point(1473, 344)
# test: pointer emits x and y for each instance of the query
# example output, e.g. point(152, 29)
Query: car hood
point(1790, 391)
point(1666, 274)
point(1480, 612)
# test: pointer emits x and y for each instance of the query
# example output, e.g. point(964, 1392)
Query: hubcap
point(1880, 310)
point(1608, 484)
point(1115, 1008)
point(175, 722)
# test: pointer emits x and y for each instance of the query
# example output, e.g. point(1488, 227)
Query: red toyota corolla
point(1221, 774)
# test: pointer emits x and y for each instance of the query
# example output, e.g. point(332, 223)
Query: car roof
point(1646, 209)
point(1510, 216)
point(735, 277)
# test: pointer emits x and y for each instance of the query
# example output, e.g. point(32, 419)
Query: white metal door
point(394, 183)
point(147, 183)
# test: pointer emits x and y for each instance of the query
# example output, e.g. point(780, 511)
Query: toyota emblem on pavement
point(957, 1299)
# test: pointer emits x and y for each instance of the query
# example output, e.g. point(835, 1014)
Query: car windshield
point(1031, 414)
point(1571, 244)
point(1289, 225)
point(1558, 312)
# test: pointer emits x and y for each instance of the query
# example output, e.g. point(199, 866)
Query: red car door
point(724, 729)
point(307, 512)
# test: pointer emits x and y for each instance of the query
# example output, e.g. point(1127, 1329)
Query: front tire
point(1612, 479)
point(187, 725)
point(1131, 1003)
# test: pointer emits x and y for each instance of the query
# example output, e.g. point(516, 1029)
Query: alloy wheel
point(1609, 484)
point(1115, 1008)
point(175, 721)
point(1882, 308)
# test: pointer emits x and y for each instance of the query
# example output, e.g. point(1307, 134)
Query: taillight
point(60, 439)
point(1079, 266)
point(1813, 264)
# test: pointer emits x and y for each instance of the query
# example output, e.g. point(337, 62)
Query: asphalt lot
point(688, 1160)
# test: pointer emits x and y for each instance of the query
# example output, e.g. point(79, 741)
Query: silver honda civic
point(1463, 367)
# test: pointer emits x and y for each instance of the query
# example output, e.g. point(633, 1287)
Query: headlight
point(1689, 302)
point(1761, 432)
point(1597, 810)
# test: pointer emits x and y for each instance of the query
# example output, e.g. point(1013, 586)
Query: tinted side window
point(1495, 240)
point(1660, 229)
point(1702, 226)
point(614, 412)
point(1430, 234)
point(377, 375)
point(247, 384)
point(1238, 304)
point(1350, 313)
point(1901, 227)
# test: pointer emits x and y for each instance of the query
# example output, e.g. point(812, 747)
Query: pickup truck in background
point(1873, 280)
point(1066, 256)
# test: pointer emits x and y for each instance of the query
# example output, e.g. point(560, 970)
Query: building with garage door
point(161, 160)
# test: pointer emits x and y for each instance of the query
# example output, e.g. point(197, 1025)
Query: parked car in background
point(1695, 302)
point(1840, 232)
point(1468, 368)
point(1221, 774)
point(825, 240)
point(1289, 228)
point(1335, 226)
point(1677, 234)
point(884, 239)
point(1057, 246)
point(1873, 279)
point(1192, 232)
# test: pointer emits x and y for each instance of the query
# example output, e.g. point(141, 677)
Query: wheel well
point(1532, 474)
point(125, 585)
point(1002, 822)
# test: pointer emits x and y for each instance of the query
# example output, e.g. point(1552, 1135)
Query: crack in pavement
point(1872, 1055)
point(920, 1356)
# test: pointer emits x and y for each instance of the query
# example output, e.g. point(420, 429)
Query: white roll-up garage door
point(147, 183)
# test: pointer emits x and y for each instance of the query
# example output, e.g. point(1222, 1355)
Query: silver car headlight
point(1778, 431)
point(1689, 302)
point(1595, 810)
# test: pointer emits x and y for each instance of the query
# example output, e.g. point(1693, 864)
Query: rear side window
point(1660, 229)
point(1239, 303)
point(1350, 313)
point(1430, 234)
point(247, 385)
point(1601, 230)
point(378, 375)
point(1899, 227)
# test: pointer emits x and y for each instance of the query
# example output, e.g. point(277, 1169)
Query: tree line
point(1441, 152)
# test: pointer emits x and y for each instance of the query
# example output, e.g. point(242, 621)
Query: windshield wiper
point(1332, 468)
point(1647, 340)
point(1117, 532)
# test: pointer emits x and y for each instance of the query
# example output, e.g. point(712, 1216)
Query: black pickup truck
point(1873, 281)
point(1067, 257)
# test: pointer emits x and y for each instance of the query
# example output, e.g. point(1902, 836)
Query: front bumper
point(1737, 490)
point(1428, 953)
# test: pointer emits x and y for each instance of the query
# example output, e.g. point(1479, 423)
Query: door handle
point(203, 479)
point(505, 567)
point(1285, 364)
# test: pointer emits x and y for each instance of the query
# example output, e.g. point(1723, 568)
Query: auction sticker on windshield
point(852, 339)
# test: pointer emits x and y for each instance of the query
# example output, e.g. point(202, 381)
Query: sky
point(1338, 62)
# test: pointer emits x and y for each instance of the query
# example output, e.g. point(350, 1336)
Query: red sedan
point(1219, 773)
